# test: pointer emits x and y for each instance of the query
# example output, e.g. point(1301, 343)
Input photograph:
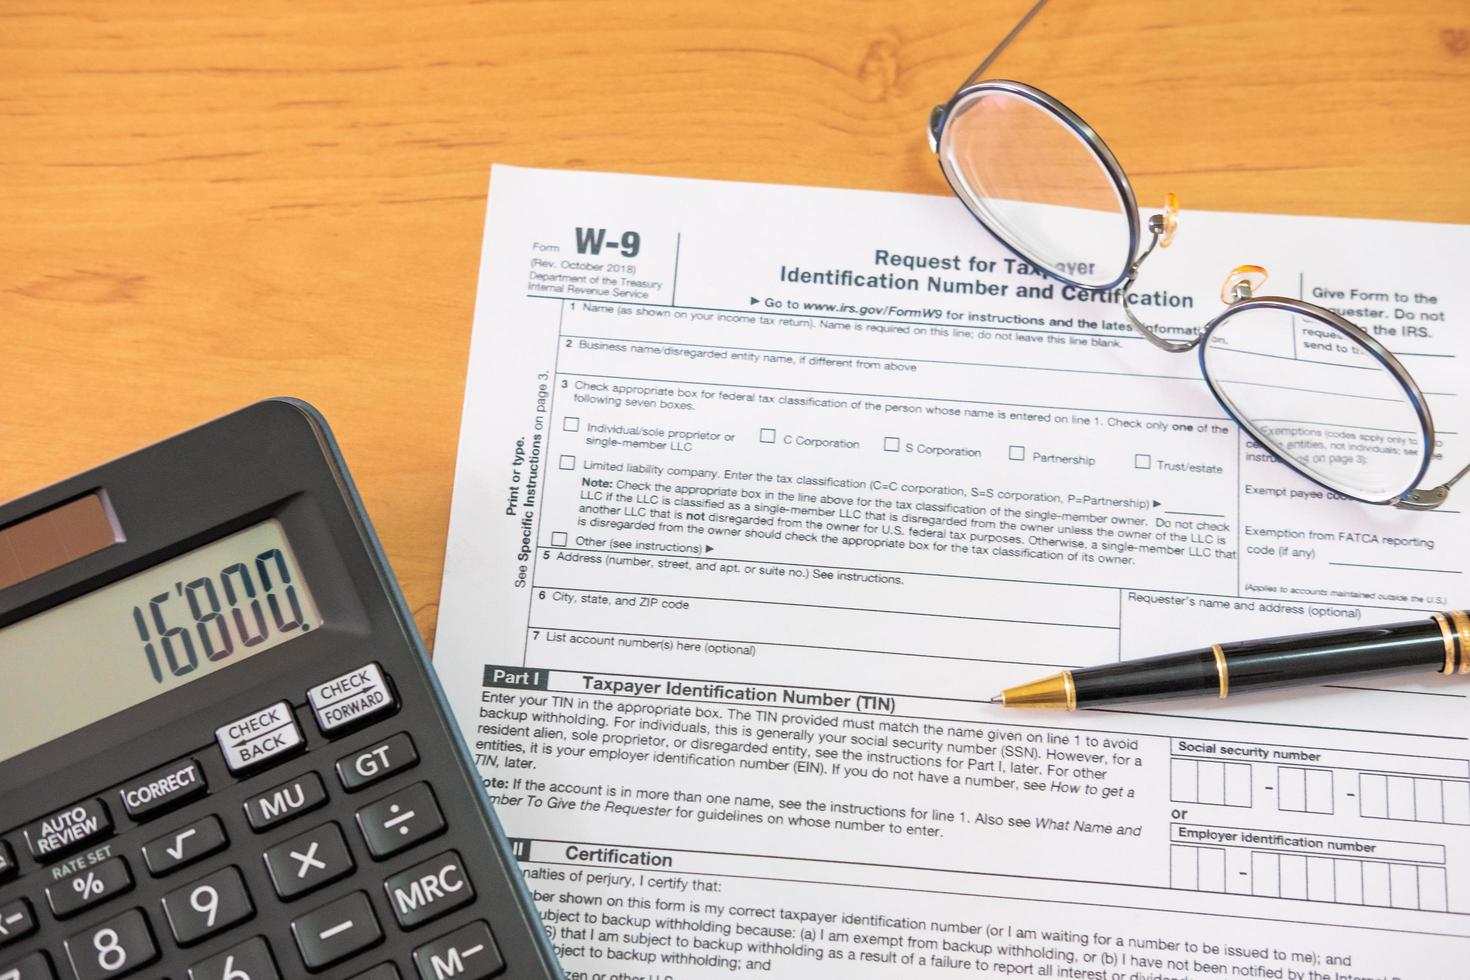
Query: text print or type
point(763, 491)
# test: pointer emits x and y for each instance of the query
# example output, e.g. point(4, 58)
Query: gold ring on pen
point(1462, 629)
point(1222, 670)
point(1449, 643)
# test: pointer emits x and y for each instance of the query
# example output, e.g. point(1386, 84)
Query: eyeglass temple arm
point(1156, 227)
point(1432, 497)
point(1004, 42)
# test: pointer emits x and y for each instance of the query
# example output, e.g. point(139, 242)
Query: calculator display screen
point(149, 634)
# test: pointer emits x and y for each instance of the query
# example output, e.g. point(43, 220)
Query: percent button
point(86, 888)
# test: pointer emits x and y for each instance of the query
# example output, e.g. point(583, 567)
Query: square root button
point(344, 701)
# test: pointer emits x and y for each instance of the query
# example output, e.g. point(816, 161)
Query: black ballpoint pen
point(1441, 641)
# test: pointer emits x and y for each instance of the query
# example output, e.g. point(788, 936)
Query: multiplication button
point(259, 737)
point(344, 701)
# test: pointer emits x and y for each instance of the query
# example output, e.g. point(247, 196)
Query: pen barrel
point(1312, 658)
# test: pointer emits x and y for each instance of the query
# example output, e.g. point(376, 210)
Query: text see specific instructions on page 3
point(763, 491)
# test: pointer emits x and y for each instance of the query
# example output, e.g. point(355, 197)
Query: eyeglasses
point(1317, 391)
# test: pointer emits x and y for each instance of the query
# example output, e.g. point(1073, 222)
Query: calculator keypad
point(83, 889)
point(308, 861)
point(251, 960)
point(115, 948)
point(184, 846)
point(16, 922)
point(336, 931)
point(396, 823)
point(207, 906)
point(418, 891)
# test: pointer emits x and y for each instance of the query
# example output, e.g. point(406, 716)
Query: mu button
point(428, 890)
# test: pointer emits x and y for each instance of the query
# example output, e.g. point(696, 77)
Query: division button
point(285, 802)
point(115, 948)
point(308, 861)
point(398, 822)
point(336, 931)
point(68, 829)
point(16, 921)
point(377, 762)
point(464, 954)
point(251, 960)
point(342, 702)
point(7, 863)
point(184, 846)
point(34, 967)
point(87, 887)
point(207, 906)
point(428, 890)
point(163, 789)
point(259, 737)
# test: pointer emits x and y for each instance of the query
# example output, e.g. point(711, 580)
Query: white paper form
point(763, 491)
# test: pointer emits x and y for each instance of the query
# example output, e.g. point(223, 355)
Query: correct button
point(163, 789)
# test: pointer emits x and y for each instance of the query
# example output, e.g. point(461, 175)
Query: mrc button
point(344, 701)
point(260, 736)
point(68, 829)
point(163, 789)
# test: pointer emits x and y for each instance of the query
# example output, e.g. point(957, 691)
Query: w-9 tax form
point(762, 492)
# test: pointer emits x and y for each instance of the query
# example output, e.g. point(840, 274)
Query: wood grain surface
point(207, 203)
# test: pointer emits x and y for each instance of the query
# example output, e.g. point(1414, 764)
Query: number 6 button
point(115, 948)
point(207, 906)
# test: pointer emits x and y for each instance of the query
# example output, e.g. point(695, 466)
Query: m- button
point(344, 701)
point(259, 737)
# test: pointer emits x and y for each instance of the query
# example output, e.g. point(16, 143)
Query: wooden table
point(209, 203)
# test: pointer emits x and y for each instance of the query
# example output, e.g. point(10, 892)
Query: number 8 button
point(116, 947)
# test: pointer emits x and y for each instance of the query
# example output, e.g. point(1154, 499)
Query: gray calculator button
point(285, 802)
point(184, 846)
point(259, 737)
point(396, 823)
point(163, 789)
point(465, 954)
point(251, 960)
point(207, 906)
point(377, 762)
point(429, 890)
point(16, 921)
point(383, 971)
point(85, 888)
point(308, 861)
point(344, 701)
point(336, 931)
point(67, 829)
point(34, 967)
point(114, 948)
point(7, 863)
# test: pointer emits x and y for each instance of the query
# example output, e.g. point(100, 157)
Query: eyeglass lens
point(1037, 185)
point(1318, 398)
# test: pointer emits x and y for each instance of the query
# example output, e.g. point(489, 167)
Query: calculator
point(223, 752)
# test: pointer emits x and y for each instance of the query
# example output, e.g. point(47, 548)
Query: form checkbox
point(558, 539)
point(568, 462)
point(890, 444)
point(768, 435)
point(1143, 461)
point(571, 424)
point(1018, 454)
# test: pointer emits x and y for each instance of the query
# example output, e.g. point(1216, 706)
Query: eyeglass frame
point(1243, 299)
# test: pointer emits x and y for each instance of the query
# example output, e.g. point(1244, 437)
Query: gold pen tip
point(998, 699)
